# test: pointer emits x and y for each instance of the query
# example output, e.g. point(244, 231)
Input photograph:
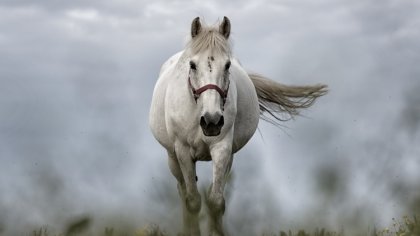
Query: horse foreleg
point(176, 171)
point(222, 161)
point(188, 191)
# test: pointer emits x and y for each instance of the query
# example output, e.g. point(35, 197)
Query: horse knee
point(193, 203)
point(216, 204)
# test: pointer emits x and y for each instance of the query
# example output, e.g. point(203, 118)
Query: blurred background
point(76, 80)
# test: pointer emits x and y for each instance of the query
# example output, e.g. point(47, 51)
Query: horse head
point(208, 77)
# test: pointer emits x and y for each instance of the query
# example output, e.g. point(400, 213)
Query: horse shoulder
point(157, 114)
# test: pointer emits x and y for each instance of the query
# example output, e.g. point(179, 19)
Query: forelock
point(209, 39)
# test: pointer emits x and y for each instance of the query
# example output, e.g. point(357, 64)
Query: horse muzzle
point(212, 124)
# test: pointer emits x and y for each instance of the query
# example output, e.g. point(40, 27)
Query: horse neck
point(182, 64)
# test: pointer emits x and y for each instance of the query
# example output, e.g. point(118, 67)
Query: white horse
point(206, 107)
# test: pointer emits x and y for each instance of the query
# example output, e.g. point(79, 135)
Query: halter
point(197, 92)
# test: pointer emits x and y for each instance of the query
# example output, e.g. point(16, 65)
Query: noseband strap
point(197, 92)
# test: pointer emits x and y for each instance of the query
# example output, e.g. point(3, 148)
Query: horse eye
point(193, 66)
point(227, 66)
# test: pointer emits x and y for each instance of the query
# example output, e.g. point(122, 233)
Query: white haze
point(76, 79)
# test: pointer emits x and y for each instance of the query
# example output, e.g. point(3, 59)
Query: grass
point(407, 226)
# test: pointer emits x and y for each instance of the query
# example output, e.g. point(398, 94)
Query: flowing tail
point(279, 102)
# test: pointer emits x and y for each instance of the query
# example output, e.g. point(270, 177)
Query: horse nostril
point(211, 119)
point(221, 121)
point(203, 122)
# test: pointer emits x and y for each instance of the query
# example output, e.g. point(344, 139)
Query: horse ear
point(195, 27)
point(224, 28)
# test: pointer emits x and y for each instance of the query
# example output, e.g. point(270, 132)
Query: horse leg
point(222, 161)
point(189, 193)
point(176, 171)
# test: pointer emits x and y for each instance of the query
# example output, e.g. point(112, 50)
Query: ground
point(408, 226)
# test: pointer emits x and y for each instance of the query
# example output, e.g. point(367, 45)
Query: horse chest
point(201, 152)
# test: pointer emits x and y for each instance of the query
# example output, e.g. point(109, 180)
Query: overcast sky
point(76, 80)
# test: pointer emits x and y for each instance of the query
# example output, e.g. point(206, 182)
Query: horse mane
point(279, 102)
point(211, 39)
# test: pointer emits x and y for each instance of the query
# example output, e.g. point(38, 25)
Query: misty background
point(76, 81)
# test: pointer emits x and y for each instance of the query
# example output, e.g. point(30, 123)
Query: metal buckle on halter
point(196, 96)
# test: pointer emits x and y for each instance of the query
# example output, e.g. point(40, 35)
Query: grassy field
point(407, 226)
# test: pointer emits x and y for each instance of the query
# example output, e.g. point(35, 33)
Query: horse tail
point(279, 102)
